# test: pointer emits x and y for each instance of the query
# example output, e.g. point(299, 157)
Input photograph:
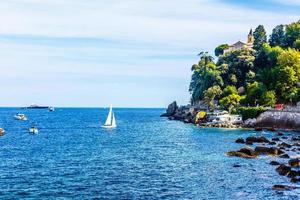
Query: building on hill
point(241, 45)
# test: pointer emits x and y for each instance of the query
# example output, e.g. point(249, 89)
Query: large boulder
point(250, 123)
point(283, 170)
point(268, 150)
point(283, 187)
point(257, 139)
point(294, 162)
point(279, 119)
point(243, 153)
point(171, 110)
point(240, 140)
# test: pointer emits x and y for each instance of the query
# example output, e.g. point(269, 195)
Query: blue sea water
point(145, 157)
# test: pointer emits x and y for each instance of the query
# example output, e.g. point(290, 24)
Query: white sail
point(113, 123)
point(108, 120)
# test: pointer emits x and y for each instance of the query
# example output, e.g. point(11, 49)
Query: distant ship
point(110, 121)
point(35, 106)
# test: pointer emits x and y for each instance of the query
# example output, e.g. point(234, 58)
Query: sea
point(145, 157)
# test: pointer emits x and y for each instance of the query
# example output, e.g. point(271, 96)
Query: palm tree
point(206, 57)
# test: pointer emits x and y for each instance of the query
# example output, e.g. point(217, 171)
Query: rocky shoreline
point(271, 119)
point(284, 147)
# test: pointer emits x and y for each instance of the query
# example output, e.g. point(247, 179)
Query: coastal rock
point(295, 139)
point(275, 151)
point(283, 187)
point(262, 150)
point(284, 156)
point(258, 129)
point(274, 163)
point(283, 170)
point(240, 140)
point(295, 180)
point(292, 174)
point(280, 134)
point(294, 162)
point(284, 145)
point(243, 153)
point(272, 143)
point(171, 110)
point(268, 150)
point(257, 139)
point(275, 139)
point(279, 120)
point(250, 123)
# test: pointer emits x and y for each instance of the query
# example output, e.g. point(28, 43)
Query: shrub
point(251, 112)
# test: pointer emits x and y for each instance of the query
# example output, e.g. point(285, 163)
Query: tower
point(250, 37)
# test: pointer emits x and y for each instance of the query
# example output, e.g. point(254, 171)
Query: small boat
point(33, 130)
point(110, 121)
point(21, 117)
point(51, 109)
point(2, 131)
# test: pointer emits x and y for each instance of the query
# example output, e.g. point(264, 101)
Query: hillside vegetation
point(265, 75)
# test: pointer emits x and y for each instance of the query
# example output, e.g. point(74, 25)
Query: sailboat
point(110, 121)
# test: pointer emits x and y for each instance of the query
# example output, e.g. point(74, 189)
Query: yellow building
point(241, 45)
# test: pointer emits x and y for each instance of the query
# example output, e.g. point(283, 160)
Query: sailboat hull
point(108, 127)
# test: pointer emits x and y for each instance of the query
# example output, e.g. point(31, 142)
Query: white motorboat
point(33, 130)
point(2, 131)
point(21, 117)
point(110, 121)
point(51, 109)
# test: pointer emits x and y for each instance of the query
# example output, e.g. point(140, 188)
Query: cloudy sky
point(131, 53)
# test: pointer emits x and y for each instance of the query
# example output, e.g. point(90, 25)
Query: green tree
point(277, 38)
point(268, 98)
point(230, 102)
point(210, 94)
point(254, 93)
point(234, 67)
point(205, 75)
point(230, 89)
point(260, 37)
point(287, 75)
point(292, 34)
point(297, 44)
point(220, 49)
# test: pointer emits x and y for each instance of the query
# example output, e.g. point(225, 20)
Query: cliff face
point(279, 120)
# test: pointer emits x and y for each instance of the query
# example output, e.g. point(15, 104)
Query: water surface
point(146, 157)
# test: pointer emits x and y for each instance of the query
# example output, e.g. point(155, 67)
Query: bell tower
point(250, 37)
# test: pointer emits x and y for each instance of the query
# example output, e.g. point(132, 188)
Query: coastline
point(272, 120)
point(283, 146)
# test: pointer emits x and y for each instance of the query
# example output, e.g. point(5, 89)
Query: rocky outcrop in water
point(171, 110)
point(279, 120)
point(284, 148)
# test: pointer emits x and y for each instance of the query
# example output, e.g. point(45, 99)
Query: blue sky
point(129, 53)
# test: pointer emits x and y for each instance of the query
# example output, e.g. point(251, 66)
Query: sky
point(128, 53)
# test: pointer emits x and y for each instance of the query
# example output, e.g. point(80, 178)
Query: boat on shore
point(20, 117)
point(110, 121)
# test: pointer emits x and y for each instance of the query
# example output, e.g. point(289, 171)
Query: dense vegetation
point(263, 76)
